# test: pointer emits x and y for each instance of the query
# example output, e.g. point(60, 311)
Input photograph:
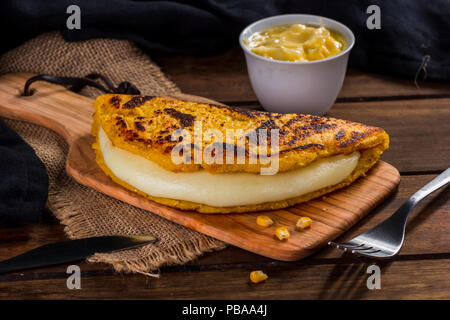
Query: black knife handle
point(72, 250)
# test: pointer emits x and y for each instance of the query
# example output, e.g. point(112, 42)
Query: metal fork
point(386, 239)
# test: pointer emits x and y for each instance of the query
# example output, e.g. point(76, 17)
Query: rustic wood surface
point(71, 115)
point(416, 117)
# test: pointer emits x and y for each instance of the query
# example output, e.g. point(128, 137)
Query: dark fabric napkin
point(23, 179)
point(413, 34)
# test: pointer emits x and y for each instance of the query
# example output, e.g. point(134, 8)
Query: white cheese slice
point(223, 189)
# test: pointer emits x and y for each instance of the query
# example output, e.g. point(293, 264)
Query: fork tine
point(350, 244)
point(377, 254)
point(345, 246)
point(373, 251)
point(336, 245)
point(362, 248)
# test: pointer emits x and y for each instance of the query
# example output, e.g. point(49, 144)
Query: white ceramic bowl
point(297, 87)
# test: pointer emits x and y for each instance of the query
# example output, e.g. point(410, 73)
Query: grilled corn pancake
point(316, 154)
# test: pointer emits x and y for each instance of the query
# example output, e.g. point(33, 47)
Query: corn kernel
point(303, 223)
point(282, 233)
point(257, 276)
point(264, 221)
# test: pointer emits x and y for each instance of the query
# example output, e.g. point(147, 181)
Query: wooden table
point(418, 121)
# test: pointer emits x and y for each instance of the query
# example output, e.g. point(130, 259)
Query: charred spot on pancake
point(168, 138)
point(137, 101)
point(301, 127)
point(319, 127)
point(115, 101)
point(218, 106)
point(292, 141)
point(185, 119)
point(268, 125)
point(130, 135)
point(345, 143)
point(250, 113)
point(355, 137)
point(340, 135)
point(290, 123)
point(139, 126)
point(315, 118)
point(120, 122)
point(304, 147)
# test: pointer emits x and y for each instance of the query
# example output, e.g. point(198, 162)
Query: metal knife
point(72, 250)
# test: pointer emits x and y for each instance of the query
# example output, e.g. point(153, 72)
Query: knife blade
point(72, 250)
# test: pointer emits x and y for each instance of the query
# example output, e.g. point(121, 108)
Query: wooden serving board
point(70, 115)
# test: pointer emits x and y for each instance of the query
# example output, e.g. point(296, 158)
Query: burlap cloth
point(83, 211)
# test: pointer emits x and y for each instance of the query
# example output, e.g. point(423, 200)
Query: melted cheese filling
point(224, 189)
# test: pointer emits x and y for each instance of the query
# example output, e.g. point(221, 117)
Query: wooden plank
point(414, 279)
point(224, 78)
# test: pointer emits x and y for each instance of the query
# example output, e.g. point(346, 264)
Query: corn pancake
point(143, 126)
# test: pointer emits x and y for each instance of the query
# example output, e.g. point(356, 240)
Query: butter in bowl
point(296, 62)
